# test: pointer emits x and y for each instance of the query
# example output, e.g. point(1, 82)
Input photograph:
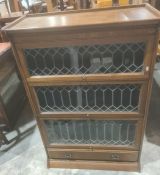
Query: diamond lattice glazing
point(95, 98)
point(91, 132)
point(114, 58)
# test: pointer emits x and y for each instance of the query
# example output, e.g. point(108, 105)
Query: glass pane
point(107, 98)
point(109, 58)
point(90, 132)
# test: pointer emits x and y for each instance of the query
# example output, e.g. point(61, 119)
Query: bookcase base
point(96, 165)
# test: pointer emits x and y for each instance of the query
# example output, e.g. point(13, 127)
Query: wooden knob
point(83, 78)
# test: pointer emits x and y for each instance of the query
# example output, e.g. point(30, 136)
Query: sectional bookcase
point(88, 77)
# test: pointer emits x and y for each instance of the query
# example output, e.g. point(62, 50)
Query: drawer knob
point(115, 157)
point(67, 155)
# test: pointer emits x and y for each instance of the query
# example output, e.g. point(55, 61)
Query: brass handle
point(115, 156)
point(68, 155)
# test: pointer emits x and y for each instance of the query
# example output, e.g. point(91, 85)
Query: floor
point(26, 155)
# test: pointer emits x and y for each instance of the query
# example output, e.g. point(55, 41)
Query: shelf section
point(88, 59)
point(102, 132)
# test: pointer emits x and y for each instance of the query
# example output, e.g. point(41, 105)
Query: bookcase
point(88, 76)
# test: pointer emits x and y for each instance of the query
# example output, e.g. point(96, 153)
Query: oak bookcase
point(88, 76)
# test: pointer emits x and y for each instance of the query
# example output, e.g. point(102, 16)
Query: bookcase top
point(62, 21)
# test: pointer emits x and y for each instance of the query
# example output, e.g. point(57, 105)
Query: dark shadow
point(153, 121)
point(24, 127)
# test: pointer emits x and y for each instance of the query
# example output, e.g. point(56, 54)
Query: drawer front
point(92, 133)
point(113, 155)
point(87, 59)
point(89, 98)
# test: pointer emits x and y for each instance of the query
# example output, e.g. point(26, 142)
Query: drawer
point(101, 155)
